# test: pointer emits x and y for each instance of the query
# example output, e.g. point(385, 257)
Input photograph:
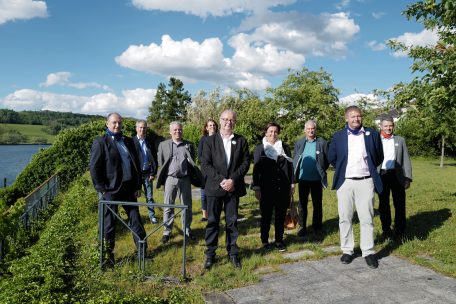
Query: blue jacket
point(338, 153)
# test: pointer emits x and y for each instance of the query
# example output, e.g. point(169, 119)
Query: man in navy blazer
point(148, 165)
point(355, 152)
point(224, 164)
point(116, 175)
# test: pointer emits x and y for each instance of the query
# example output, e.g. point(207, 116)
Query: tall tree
point(433, 91)
point(169, 104)
point(305, 95)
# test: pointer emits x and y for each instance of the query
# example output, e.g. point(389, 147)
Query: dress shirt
point(357, 156)
point(179, 164)
point(145, 165)
point(389, 153)
point(227, 147)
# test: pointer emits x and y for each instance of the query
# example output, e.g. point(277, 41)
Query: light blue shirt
point(308, 170)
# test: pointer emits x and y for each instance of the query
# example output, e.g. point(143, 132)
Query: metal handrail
point(105, 204)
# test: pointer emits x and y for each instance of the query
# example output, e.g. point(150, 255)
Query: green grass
point(430, 240)
point(32, 132)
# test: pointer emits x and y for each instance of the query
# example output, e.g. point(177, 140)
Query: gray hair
point(175, 123)
point(112, 114)
point(140, 121)
point(310, 121)
point(386, 118)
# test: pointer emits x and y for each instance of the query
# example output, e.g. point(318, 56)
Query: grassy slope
point(431, 242)
point(30, 131)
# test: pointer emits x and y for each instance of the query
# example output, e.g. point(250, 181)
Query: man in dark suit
point(116, 175)
point(224, 163)
point(148, 165)
point(355, 152)
point(396, 174)
point(176, 159)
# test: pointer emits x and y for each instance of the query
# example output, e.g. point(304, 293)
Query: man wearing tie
point(148, 165)
point(224, 164)
point(116, 175)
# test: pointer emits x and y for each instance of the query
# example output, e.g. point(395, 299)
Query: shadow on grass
point(418, 226)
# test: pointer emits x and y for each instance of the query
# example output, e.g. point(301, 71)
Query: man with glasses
point(225, 162)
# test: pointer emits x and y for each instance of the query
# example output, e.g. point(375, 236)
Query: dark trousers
point(391, 184)
point(229, 204)
point(277, 202)
point(125, 193)
point(316, 192)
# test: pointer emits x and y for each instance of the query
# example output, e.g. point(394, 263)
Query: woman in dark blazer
point(272, 180)
point(209, 128)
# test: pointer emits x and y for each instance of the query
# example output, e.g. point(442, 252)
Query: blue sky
point(98, 56)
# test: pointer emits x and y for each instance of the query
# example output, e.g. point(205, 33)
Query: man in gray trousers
point(176, 161)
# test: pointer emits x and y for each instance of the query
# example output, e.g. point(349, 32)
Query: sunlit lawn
point(430, 239)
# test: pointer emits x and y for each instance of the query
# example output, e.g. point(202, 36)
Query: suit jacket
point(150, 155)
point(321, 157)
point(338, 156)
point(215, 169)
point(270, 176)
point(106, 164)
point(403, 165)
point(164, 156)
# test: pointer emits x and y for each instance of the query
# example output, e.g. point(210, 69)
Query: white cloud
point(132, 103)
point(423, 38)
point(11, 10)
point(376, 46)
point(270, 50)
point(63, 79)
point(356, 98)
point(188, 59)
point(204, 8)
point(322, 35)
point(378, 15)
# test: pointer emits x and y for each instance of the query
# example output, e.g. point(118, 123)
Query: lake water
point(13, 159)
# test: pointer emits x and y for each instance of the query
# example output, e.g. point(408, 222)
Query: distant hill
point(54, 122)
point(37, 127)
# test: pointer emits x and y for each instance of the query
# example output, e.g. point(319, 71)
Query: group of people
point(365, 162)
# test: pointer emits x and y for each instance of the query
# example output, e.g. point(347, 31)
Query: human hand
point(258, 194)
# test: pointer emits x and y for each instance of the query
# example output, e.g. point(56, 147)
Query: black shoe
point(204, 219)
point(371, 261)
point(235, 261)
point(346, 258)
point(165, 239)
point(280, 246)
point(209, 263)
point(386, 235)
point(191, 237)
point(266, 246)
point(302, 232)
point(109, 262)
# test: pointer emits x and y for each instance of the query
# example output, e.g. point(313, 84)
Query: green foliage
point(54, 121)
point(433, 91)
point(306, 95)
point(12, 137)
point(169, 104)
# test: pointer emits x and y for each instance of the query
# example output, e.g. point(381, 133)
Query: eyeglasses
point(228, 120)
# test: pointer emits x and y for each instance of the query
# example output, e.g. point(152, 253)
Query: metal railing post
point(101, 212)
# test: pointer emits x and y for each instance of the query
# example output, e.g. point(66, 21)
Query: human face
point(176, 132)
point(211, 128)
point(387, 127)
point(272, 134)
point(310, 131)
point(354, 119)
point(227, 122)
point(141, 129)
point(114, 123)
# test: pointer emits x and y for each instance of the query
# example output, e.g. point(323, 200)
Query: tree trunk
point(442, 151)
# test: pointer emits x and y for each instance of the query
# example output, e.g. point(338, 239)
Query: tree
point(433, 92)
point(169, 104)
point(305, 95)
